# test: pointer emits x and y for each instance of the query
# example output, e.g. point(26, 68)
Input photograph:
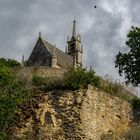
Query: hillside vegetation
point(16, 89)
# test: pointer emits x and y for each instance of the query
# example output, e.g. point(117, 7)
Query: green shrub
point(136, 103)
point(76, 78)
point(92, 79)
point(11, 95)
point(3, 136)
point(9, 63)
point(6, 76)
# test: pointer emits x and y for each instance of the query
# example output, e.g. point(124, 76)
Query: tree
point(129, 63)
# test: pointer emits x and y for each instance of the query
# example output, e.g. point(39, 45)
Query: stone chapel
point(46, 54)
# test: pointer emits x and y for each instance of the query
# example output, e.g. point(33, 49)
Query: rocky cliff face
point(72, 115)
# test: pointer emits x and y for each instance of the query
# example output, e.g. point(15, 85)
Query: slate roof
point(63, 59)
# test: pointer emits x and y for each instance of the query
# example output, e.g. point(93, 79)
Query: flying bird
point(95, 6)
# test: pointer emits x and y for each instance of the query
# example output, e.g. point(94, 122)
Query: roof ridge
point(48, 42)
point(55, 47)
point(46, 45)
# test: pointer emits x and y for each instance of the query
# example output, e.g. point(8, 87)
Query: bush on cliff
point(9, 63)
point(76, 78)
point(136, 103)
point(12, 93)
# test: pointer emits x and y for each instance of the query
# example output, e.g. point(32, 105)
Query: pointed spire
point(74, 28)
point(39, 34)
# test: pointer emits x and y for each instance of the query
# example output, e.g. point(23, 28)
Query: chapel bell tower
point(74, 48)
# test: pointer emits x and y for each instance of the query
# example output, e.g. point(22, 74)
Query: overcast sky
point(103, 29)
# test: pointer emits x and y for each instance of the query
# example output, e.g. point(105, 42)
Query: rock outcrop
point(72, 115)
